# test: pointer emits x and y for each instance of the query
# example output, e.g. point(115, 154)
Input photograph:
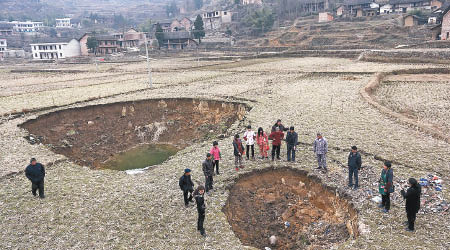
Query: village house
point(386, 9)
point(132, 39)
point(63, 23)
point(445, 29)
point(55, 48)
point(184, 24)
point(107, 44)
point(360, 8)
point(27, 26)
point(247, 2)
point(413, 20)
point(3, 45)
point(436, 4)
point(165, 26)
point(313, 6)
point(178, 40)
point(325, 17)
point(404, 6)
point(214, 20)
point(340, 10)
point(6, 29)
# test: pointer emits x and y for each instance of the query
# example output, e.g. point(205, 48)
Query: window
point(225, 13)
point(59, 46)
point(36, 55)
point(60, 54)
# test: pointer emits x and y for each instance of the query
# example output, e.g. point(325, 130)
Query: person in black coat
point(354, 165)
point(201, 208)
point(35, 172)
point(412, 197)
point(280, 126)
point(187, 186)
point(291, 142)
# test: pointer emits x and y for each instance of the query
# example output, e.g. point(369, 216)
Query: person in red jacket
point(276, 136)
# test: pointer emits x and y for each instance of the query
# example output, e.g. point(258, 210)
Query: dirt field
point(87, 208)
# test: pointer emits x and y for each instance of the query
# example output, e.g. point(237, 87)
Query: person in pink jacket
point(215, 152)
point(263, 142)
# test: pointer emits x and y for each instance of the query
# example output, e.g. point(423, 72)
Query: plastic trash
point(377, 199)
point(287, 224)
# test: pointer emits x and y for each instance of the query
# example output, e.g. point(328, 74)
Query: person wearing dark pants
point(201, 208)
point(276, 137)
point(208, 171)
point(412, 196)
point(215, 152)
point(386, 186)
point(291, 142)
point(35, 172)
point(354, 165)
point(249, 137)
point(187, 186)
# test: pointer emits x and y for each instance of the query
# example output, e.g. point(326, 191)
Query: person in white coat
point(249, 137)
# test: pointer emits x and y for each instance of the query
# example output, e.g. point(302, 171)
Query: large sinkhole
point(288, 205)
point(145, 132)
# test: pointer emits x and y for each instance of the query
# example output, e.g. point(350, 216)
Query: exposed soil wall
point(92, 134)
point(262, 201)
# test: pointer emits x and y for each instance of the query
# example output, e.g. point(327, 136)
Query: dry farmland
point(87, 208)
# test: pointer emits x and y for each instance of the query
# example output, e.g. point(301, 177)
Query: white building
point(57, 49)
point(256, 2)
point(3, 45)
point(214, 20)
point(386, 9)
point(27, 26)
point(63, 23)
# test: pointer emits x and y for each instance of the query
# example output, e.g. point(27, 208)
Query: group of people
point(35, 171)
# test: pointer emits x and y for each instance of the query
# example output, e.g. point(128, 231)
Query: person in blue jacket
point(35, 172)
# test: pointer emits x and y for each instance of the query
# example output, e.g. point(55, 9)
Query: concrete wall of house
point(340, 11)
point(445, 31)
point(325, 17)
point(410, 21)
point(72, 49)
point(84, 51)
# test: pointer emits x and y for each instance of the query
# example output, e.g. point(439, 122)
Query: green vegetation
point(92, 44)
point(260, 20)
point(159, 35)
point(147, 26)
point(199, 30)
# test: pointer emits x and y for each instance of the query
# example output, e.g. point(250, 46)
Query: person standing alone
point(291, 142)
point(354, 165)
point(249, 137)
point(320, 148)
point(208, 171)
point(35, 172)
point(412, 196)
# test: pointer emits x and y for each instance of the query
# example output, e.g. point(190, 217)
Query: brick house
point(107, 45)
point(445, 30)
point(325, 17)
point(413, 20)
